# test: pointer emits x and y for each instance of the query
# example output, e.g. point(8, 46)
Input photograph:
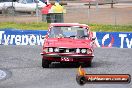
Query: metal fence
point(103, 14)
point(77, 12)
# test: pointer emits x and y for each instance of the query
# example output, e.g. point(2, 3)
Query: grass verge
point(110, 28)
point(24, 26)
point(44, 26)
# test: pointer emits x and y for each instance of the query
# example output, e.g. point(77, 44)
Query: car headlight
point(56, 49)
point(67, 50)
point(83, 51)
point(89, 51)
point(50, 49)
point(77, 50)
point(45, 50)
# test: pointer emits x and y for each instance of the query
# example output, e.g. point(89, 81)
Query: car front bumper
point(75, 57)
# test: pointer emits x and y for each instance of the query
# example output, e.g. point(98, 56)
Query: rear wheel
point(45, 63)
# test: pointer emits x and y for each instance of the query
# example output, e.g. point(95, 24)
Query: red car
point(68, 42)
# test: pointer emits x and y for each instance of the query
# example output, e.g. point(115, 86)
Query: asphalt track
point(24, 65)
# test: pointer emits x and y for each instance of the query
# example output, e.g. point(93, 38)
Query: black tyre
point(45, 63)
point(10, 11)
point(88, 64)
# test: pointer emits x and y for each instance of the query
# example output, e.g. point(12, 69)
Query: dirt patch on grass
point(82, 15)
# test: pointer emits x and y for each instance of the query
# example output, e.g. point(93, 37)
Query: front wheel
point(45, 63)
point(10, 11)
point(88, 64)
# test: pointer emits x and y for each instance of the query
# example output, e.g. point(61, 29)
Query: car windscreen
point(30, 1)
point(68, 31)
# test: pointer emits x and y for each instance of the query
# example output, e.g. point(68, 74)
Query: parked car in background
point(68, 42)
point(20, 5)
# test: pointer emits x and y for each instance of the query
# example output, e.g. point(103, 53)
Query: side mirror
point(36, 1)
point(93, 38)
point(43, 37)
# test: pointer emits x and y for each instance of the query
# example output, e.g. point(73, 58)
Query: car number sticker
point(66, 59)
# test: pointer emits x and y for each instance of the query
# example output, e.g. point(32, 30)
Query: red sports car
point(68, 42)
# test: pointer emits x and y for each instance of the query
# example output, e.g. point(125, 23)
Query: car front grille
point(66, 50)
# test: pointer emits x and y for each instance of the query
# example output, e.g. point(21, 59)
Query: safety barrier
point(34, 37)
point(21, 37)
point(113, 39)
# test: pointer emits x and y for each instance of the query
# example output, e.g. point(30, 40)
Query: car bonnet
point(67, 43)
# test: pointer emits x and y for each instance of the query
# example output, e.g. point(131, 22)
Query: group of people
point(56, 8)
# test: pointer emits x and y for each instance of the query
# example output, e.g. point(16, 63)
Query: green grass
point(25, 26)
point(110, 28)
point(44, 26)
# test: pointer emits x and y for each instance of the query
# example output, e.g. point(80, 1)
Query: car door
point(31, 5)
point(25, 5)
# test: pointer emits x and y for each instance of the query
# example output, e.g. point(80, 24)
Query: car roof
point(69, 24)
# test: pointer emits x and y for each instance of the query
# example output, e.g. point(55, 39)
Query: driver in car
point(58, 32)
